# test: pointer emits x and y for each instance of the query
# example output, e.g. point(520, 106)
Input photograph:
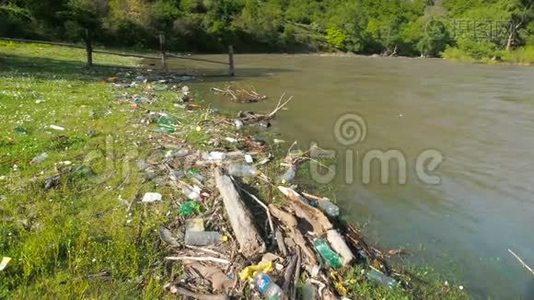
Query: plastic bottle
point(39, 158)
point(288, 175)
point(202, 238)
point(308, 292)
point(166, 124)
point(241, 170)
point(326, 206)
point(329, 255)
point(267, 287)
point(381, 278)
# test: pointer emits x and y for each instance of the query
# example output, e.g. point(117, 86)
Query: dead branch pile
point(239, 95)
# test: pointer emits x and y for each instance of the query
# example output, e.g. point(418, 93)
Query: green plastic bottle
point(166, 124)
point(329, 255)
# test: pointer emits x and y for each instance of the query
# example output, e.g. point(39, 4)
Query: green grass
point(61, 238)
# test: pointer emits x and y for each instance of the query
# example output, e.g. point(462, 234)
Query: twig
point(204, 250)
point(521, 261)
point(279, 107)
point(212, 259)
point(264, 207)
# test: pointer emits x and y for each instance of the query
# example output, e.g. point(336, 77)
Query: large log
point(315, 217)
point(250, 242)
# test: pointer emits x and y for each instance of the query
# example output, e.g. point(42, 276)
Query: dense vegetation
point(403, 27)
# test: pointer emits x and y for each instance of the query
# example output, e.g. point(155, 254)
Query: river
point(478, 118)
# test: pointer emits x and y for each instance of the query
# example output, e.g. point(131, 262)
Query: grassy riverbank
point(88, 237)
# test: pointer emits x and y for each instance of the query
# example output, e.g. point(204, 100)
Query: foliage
point(390, 27)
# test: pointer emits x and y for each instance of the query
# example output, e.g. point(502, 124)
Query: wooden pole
point(89, 47)
point(231, 70)
point(162, 50)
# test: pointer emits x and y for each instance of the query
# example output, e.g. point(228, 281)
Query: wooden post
point(162, 50)
point(89, 47)
point(231, 70)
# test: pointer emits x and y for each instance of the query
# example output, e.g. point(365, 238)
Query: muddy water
point(479, 118)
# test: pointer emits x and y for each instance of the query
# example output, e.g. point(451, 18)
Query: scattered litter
point(39, 101)
point(56, 127)
point(377, 276)
point(331, 258)
point(166, 236)
point(21, 130)
point(202, 238)
point(230, 139)
point(189, 208)
point(241, 170)
point(52, 182)
point(215, 155)
point(192, 193)
point(4, 262)
point(289, 175)
point(39, 158)
point(151, 197)
point(248, 158)
point(194, 224)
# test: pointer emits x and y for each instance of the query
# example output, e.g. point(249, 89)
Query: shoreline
point(79, 202)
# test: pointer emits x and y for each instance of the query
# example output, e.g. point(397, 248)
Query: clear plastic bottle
point(267, 287)
point(39, 158)
point(241, 170)
point(381, 278)
point(289, 175)
point(328, 207)
point(202, 238)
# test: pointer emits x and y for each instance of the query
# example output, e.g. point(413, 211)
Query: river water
point(478, 118)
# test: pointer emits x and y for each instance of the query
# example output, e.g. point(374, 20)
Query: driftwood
point(240, 95)
point(340, 246)
point(251, 117)
point(315, 217)
point(291, 223)
point(250, 242)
